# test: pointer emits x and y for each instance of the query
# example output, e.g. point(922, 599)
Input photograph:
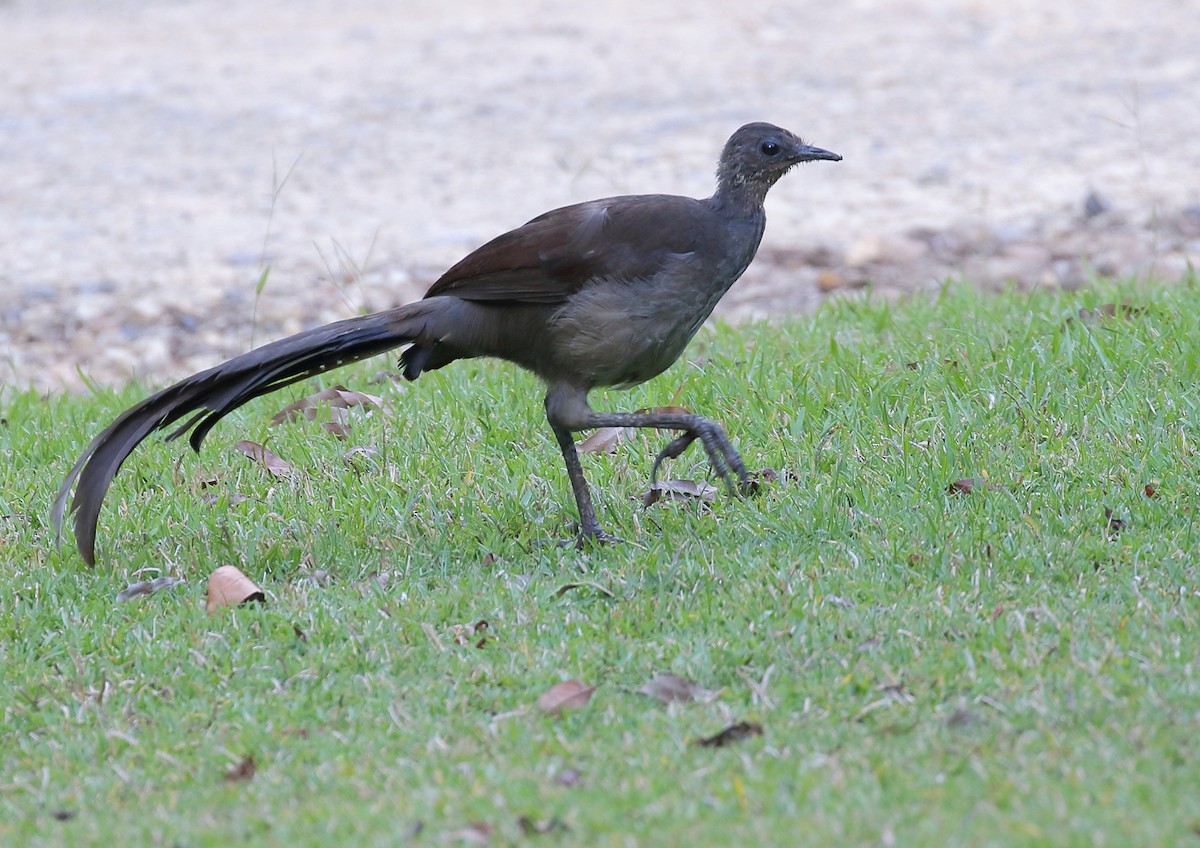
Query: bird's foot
point(589, 539)
point(722, 456)
point(596, 538)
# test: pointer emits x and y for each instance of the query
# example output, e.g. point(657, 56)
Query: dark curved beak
point(807, 153)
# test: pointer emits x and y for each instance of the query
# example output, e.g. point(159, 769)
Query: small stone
point(1095, 204)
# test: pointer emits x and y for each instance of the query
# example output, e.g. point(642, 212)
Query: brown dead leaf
point(465, 634)
point(263, 457)
point(604, 440)
point(338, 429)
point(673, 689)
point(333, 398)
point(568, 695)
point(679, 490)
point(1150, 491)
point(569, 777)
point(969, 484)
point(1115, 525)
point(228, 586)
point(244, 770)
point(733, 733)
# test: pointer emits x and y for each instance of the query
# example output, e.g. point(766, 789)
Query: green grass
point(998, 668)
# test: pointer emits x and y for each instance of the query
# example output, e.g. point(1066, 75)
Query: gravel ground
point(158, 154)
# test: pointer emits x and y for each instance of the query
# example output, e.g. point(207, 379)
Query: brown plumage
point(605, 293)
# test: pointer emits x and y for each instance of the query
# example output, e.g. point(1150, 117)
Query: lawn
point(964, 613)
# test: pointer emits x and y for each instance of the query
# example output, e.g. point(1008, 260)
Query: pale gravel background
point(140, 143)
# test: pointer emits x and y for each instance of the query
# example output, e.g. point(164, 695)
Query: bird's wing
point(558, 253)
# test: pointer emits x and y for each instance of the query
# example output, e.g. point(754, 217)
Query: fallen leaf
point(1115, 525)
point(244, 770)
point(264, 457)
point(961, 717)
point(569, 777)
point(531, 826)
point(317, 577)
point(568, 695)
point(604, 440)
point(228, 586)
point(147, 587)
point(673, 689)
point(299, 633)
point(1150, 491)
point(464, 634)
point(679, 490)
point(63, 815)
point(733, 733)
point(333, 398)
point(969, 484)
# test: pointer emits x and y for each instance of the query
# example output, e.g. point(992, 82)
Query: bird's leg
point(589, 526)
point(722, 455)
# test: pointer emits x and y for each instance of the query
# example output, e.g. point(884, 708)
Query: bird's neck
point(739, 197)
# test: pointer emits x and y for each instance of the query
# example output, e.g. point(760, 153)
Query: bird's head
point(757, 155)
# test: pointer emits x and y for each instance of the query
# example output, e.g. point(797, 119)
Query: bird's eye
point(770, 148)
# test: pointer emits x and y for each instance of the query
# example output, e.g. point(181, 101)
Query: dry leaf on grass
point(969, 484)
point(466, 634)
point(244, 770)
point(733, 733)
point(569, 777)
point(679, 490)
point(568, 695)
point(228, 586)
point(272, 463)
point(147, 587)
point(334, 398)
point(673, 689)
point(604, 440)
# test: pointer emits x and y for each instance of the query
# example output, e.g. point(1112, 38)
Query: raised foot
point(722, 456)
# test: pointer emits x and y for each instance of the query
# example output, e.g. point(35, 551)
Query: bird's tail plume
point(209, 396)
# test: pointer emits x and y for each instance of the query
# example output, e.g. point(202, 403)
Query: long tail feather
point(211, 395)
